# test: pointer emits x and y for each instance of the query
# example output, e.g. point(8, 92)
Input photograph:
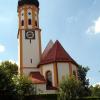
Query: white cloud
point(95, 27)
point(2, 48)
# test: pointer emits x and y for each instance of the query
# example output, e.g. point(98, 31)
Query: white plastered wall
point(28, 70)
point(31, 51)
point(63, 71)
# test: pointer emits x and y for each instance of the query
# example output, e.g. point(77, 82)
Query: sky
point(75, 23)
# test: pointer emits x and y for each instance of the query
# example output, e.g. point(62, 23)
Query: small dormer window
point(29, 21)
point(22, 23)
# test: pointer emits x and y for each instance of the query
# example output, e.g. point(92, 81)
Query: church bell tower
point(29, 36)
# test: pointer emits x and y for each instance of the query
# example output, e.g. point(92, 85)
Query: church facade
point(47, 69)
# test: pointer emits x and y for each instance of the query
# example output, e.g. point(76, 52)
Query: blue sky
point(75, 23)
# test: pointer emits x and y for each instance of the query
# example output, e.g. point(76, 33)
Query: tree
point(82, 72)
point(95, 90)
point(10, 68)
point(69, 88)
point(7, 70)
point(72, 88)
point(13, 84)
point(23, 85)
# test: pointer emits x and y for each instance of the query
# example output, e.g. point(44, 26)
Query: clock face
point(30, 34)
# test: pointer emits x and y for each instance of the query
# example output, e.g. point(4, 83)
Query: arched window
point(22, 22)
point(29, 21)
point(48, 79)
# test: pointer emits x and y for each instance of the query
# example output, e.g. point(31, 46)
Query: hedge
point(39, 97)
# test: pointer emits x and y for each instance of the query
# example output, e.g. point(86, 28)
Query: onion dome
point(28, 2)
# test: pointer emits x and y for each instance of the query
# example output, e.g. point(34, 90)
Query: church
point(48, 68)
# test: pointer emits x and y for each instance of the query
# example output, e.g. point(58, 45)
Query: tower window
point(35, 23)
point(29, 13)
point(22, 14)
point(22, 23)
point(31, 60)
point(30, 41)
point(29, 22)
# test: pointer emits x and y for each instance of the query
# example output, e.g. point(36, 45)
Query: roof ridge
point(56, 49)
point(47, 48)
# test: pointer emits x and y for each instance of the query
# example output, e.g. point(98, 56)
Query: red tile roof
point(37, 78)
point(57, 54)
point(48, 47)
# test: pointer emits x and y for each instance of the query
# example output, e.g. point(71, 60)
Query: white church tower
point(29, 36)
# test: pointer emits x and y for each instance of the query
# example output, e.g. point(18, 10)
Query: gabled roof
point(46, 50)
point(37, 78)
point(57, 54)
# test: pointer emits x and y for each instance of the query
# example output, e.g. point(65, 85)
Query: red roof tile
point(48, 47)
point(37, 78)
point(57, 54)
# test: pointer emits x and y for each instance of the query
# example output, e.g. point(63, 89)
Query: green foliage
point(69, 88)
point(46, 97)
point(7, 70)
point(12, 83)
point(82, 72)
point(72, 88)
point(23, 86)
point(30, 97)
point(95, 91)
point(10, 68)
